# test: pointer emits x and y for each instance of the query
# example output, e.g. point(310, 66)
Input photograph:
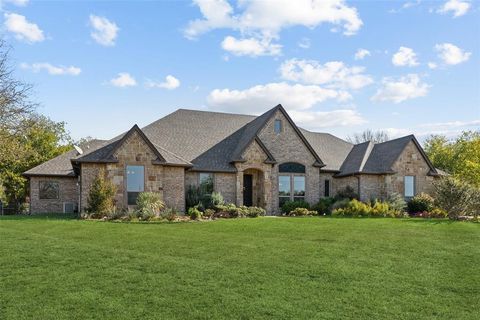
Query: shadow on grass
point(40, 216)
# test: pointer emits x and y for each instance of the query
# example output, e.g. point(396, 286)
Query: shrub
point(340, 204)
point(434, 213)
point(208, 213)
point(254, 212)
point(355, 208)
point(292, 205)
point(397, 202)
point(346, 193)
point(216, 199)
point(193, 196)
point(456, 197)
point(420, 203)
point(149, 204)
point(324, 206)
point(169, 214)
point(302, 212)
point(194, 213)
point(101, 197)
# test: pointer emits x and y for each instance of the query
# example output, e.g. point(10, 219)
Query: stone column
point(239, 188)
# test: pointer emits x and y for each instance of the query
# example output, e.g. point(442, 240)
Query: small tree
point(149, 204)
point(101, 197)
point(455, 196)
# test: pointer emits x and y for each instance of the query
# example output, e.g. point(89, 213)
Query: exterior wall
point(262, 177)
point(410, 163)
point(224, 183)
point(372, 187)
point(168, 182)
point(288, 147)
point(68, 192)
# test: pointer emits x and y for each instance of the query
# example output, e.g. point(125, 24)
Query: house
point(255, 161)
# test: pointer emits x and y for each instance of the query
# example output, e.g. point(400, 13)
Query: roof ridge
point(173, 154)
point(217, 112)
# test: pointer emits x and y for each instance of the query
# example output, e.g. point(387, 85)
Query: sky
point(336, 66)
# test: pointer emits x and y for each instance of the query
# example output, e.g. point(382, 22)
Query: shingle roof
point(61, 165)
point(210, 141)
point(379, 158)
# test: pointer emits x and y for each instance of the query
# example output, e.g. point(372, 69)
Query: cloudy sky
point(336, 66)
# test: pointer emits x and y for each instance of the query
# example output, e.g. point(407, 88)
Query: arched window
point(291, 167)
point(291, 182)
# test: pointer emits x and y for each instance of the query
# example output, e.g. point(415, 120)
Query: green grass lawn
point(282, 268)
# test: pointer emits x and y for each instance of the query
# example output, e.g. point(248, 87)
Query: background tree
point(369, 135)
point(459, 157)
point(26, 138)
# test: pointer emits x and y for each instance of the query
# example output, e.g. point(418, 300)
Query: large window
point(48, 190)
point(327, 188)
point(291, 182)
point(135, 183)
point(409, 186)
point(206, 182)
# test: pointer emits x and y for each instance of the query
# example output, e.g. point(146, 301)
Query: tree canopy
point(459, 157)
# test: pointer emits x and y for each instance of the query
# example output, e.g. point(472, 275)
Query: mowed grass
point(278, 268)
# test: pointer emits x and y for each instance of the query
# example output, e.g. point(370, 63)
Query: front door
point(247, 190)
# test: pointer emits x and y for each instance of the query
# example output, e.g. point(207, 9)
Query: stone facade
point(68, 193)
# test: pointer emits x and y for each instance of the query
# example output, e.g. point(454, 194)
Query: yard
point(290, 268)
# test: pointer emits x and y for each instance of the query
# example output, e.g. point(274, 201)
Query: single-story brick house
point(260, 161)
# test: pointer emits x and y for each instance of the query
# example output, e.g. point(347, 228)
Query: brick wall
point(68, 192)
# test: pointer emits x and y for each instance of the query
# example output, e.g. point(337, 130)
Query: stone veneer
point(167, 181)
point(68, 192)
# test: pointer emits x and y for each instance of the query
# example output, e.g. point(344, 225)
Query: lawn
point(281, 268)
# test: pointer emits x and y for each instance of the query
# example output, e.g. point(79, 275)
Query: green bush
point(208, 213)
point(346, 193)
point(456, 197)
point(340, 204)
point(194, 213)
point(254, 212)
point(149, 204)
point(292, 205)
point(355, 208)
point(302, 212)
point(420, 203)
point(324, 206)
point(397, 202)
point(193, 196)
point(169, 214)
point(101, 197)
point(216, 199)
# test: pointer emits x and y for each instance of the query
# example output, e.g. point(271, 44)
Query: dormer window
point(278, 126)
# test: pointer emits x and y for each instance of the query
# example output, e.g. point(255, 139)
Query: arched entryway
point(253, 188)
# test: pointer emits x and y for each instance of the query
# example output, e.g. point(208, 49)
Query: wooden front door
point(247, 190)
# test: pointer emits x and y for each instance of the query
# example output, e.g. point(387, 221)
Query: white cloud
point(170, 83)
point(450, 129)
point(20, 3)
point(305, 43)
point(314, 120)
point(51, 69)
point(270, 17)
point(22, 28)
point(451, 124)
point(123, 80)
point(432, 65)
point(405, 57)
point(456, 7)
point(407, 87)
point(252, 100)
point(333, 74)
point(251, 47)
point(451, 54)
point(361, 53)
point(104, 31)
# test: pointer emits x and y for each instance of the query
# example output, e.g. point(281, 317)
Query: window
point(291, 182)
point(327, 188)
point(409, 185)
point(135, 183)
point(278, 126)
point(206, 182)
point(48, 190)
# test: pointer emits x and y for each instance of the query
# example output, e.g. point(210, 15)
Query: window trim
point(48, 181)
point(291, 196)
point(405, 186)
point(280, 128)
point(126, 182)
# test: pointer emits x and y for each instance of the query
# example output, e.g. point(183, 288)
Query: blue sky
point(336, 66)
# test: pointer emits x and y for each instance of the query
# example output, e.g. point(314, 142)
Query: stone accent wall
point(288, 147)
point(68, 192)
point(168, 182)
point(262, 177)
point(372, 187)
point(225, 183)
point(410, 163)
